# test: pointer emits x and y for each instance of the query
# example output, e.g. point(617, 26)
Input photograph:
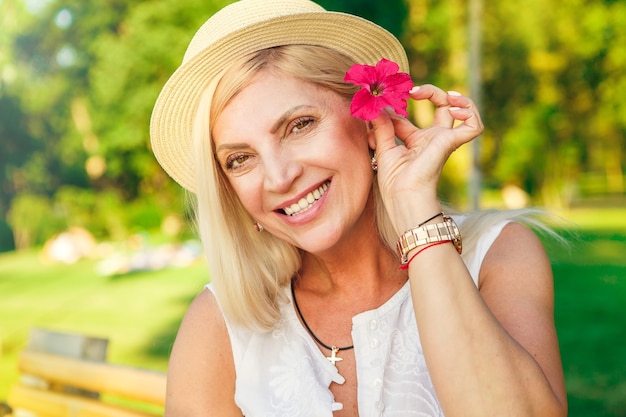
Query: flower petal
point(399, 83)
point(398, 104)
point(385, 68)
point(365, 106)
point(381, 86)
point(362, 75)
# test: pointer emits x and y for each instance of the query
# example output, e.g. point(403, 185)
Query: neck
point(364, 276)
point(358, 266)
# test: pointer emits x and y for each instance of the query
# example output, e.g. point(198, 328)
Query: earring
point(258, 227)
point(374, 163)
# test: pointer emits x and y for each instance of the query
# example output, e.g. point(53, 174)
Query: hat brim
point(174, 111)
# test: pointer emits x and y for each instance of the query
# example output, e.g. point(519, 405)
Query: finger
point(463, 108)
point(431, 93)
point(439, 98)
point(403, 128)
point(383, 132)
point(456, 99)
point(471, 126)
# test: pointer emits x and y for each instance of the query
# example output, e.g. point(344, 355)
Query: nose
point(281, 169)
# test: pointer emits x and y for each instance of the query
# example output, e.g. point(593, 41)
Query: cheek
point(355, 147)
point(248, 193)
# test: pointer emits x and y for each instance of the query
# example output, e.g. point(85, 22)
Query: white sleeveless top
point(282, 372)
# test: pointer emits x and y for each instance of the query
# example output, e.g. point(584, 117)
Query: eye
point(301, 124)
point(235, 161)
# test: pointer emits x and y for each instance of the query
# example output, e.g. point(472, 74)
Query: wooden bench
point(57, 385)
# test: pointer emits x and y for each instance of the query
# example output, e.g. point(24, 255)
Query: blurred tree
point(553, 101)
point(390, 14)
point(130, 68)
point(17, 146)
point(86, 75)
point(78, 81)
point(32, 220)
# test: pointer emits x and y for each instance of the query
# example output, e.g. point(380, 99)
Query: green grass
point(140, 313)
point(590, 285)
point(592, 332)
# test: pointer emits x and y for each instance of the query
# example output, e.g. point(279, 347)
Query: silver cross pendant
point(333, 358)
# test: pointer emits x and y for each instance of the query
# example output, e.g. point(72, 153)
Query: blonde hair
point(249, 270)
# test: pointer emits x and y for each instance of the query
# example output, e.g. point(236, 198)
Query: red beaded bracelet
point(405, 266)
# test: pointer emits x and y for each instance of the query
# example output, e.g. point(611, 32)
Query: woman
point(311, 310)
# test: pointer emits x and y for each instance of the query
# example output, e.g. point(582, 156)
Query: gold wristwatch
point(430, 233)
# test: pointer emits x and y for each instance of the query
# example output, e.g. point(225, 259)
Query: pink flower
point(381, 86)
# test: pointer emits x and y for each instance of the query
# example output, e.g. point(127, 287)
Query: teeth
point(306, 202)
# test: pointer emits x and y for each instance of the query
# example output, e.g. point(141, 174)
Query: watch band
point(430, 233)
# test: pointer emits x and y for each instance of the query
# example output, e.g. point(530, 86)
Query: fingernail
point(454, 93)
point(414, 89)
point(454, 108)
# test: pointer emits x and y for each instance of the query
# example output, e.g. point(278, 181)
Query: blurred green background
point(77, 83)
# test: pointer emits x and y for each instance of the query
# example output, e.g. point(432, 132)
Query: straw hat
point(238, 29)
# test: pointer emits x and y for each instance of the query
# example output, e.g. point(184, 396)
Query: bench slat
point(56, 404)
point(123, 381)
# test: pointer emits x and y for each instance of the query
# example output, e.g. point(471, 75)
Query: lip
point(309, 213)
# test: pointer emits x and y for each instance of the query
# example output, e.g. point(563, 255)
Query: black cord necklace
point(333, 358)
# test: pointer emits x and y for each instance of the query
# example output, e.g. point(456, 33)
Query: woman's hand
point(408, 173)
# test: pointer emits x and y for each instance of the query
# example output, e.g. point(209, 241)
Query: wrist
point(406, 215)
point(428, 232)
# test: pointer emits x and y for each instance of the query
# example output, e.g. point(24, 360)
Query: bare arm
point(491, 352)
point(517, 285)
point(495, 352)
point(201, 373)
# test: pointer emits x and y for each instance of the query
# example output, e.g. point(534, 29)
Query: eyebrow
point(281, 121)
point(286, 116)
point(232, 146)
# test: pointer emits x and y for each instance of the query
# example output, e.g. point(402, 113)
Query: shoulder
point(496, 239)
point(201, 373)
point(516, 251)
point(516, 279)
point(517, 286)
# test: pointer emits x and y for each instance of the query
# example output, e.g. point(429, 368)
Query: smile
point(307, 201)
